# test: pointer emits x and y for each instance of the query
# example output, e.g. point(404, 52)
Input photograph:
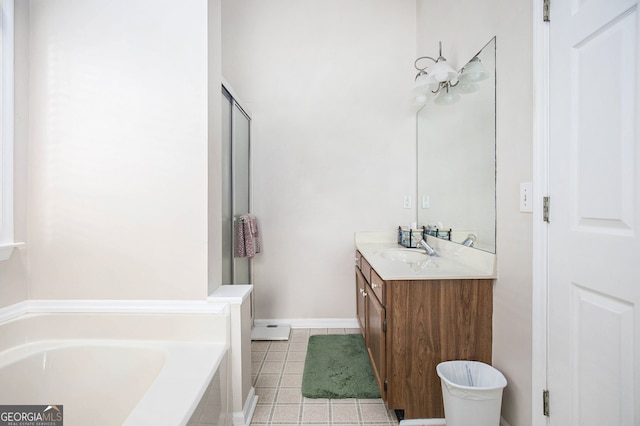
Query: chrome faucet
point(469, 241)
point(427, 247)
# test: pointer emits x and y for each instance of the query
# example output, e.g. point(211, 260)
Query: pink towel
point(247, 236)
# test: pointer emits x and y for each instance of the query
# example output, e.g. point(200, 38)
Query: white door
point(594, 181)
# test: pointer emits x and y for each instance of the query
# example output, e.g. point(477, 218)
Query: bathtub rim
point(156, 405)
point(141, 309)
point(15, 310)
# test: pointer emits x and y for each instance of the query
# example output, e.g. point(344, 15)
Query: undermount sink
point(405, 255)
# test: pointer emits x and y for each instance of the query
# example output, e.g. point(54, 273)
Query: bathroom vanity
point(416, 311)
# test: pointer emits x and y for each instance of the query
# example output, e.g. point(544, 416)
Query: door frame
point(540, 264)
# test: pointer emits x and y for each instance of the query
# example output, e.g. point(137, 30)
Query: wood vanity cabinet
point(371, 316)
point(361, 288)
point(412, 325)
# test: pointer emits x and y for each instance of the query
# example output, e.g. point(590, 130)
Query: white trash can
point(472, 393)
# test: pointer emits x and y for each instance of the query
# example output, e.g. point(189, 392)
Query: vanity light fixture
point(474, 71)
point(441, 75)
point(470, 75)
point(440, 78)
point(446, 96)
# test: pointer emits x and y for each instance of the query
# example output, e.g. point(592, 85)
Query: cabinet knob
point(364, 294)
point(374, 285)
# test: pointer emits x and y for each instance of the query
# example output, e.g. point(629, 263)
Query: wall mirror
point(456, 161)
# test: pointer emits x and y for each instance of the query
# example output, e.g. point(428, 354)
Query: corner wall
point(118, 150)
point(474, 24)
point(214, 148)
point(13, 271)
point(333, 140)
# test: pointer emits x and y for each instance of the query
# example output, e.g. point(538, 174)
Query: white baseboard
point(311, 322)
point(244, 418)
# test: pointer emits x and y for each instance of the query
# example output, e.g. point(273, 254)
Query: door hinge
point(545, 402)
point(384, 385)
point(384, 326)
point(545, 209)
point(545, 10)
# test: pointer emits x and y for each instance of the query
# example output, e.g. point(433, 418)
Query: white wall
point(214, 185)
point(117, 154)
point(118, 149)
point(474, 24)
point(13, 272)
point(328, 85)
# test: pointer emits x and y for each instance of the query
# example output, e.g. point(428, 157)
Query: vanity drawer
point(366, 269)
point(377, 285)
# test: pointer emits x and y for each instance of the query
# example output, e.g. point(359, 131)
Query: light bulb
point(446, 97)
point(442, 71)
point(466, 87)
point(421, 99)
point(474, 71)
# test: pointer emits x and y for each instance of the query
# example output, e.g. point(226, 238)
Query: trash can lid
point(471, 375)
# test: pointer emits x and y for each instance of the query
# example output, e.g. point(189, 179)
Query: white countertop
point(455, 261)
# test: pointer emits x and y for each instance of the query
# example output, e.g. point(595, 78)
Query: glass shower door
point(236, 186)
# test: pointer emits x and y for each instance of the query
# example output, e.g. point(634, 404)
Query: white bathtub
point(112, 369)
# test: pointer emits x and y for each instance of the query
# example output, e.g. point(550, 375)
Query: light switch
point(526, 197)
point(426, 202)
point(407, 202)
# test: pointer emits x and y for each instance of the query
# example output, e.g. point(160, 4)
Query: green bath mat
point(338, 366)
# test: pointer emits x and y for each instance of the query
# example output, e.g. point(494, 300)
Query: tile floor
point(277, 368)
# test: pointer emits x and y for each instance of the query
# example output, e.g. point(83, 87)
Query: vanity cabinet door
point(377, 341)
point(366, 269)
point(377, 285)
point(361, 305)
point(430, 322)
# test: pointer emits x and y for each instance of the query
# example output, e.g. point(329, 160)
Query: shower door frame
point(236, 263)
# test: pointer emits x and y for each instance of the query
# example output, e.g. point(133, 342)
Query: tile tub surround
point(277, 368)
